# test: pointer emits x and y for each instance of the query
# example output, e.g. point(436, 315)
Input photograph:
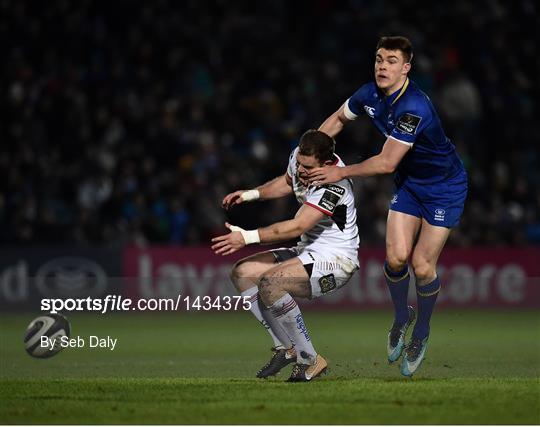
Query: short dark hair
point(318, 144)
point(397, 43)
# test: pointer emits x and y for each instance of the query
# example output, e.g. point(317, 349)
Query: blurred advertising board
point(29, 274)
point(476, 278)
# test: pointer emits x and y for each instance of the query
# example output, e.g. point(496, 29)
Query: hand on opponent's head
point(325, 175)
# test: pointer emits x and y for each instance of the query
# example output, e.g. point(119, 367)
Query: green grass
point(481, 367)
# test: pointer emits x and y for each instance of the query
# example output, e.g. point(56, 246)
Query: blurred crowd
point(127, 122)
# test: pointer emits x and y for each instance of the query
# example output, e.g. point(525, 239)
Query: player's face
point(305, 165)
point(390, 70)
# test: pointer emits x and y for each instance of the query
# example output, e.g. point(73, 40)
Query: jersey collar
point(392, 99)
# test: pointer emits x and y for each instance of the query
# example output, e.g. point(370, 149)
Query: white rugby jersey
point(337, 230)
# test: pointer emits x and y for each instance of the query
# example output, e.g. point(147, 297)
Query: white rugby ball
point(52, 326)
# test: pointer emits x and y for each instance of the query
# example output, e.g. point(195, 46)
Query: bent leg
point(427, 251)
point(401, 231)
point(276, 288)
point(244, 276)
point(288, 277)
point(247, 271)
point(426, 254)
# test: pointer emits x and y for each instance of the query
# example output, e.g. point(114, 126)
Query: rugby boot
point(396, 337)
point(414, 355)
point(281, 358)
point(305, 373)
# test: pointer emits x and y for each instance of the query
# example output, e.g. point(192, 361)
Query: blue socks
point(426, 297)
point(398, 285)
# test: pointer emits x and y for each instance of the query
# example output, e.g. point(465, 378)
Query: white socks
point(287, 314)
point(284, 322)
point(253, 295)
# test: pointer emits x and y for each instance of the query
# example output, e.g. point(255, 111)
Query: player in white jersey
point(324, 259)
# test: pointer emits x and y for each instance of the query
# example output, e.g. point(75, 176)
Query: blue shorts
point(439, 204)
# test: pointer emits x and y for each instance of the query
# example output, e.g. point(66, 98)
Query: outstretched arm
point(304, 220)
point(278, 187)
point(384, 162)
point(274, 189)
point(334, 124)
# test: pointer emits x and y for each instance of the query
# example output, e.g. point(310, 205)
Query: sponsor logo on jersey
point(335, 188)
point(329, 201)
point(369, 110)
point(439, 214)
point(394, 199)
point(408, 123)
point(326, 205)
point(327, 283)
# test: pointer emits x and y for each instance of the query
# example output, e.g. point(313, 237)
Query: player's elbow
point(300, 227)
point(387, 166)
point(390, 168)
point(341, 118)
point(298, 231)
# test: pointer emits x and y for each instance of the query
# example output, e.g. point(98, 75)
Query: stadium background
point(123, 125)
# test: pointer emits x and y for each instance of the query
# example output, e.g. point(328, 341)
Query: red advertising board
point(505, 277)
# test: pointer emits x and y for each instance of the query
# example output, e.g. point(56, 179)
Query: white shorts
point(327, 271)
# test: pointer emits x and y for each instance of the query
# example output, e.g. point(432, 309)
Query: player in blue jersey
point(431, 187)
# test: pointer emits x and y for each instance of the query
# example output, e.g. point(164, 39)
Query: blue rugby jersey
point(409, 117)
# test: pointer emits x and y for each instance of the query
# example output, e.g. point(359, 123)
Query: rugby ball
point(51, 326)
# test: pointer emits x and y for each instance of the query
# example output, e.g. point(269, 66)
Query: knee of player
point(240, 278)
point(265, 286)
point(396, 261)
point(239, 271)
point(423, 269)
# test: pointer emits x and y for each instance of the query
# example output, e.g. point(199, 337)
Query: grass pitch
point(481, 367)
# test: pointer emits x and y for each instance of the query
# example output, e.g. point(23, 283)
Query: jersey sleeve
point(292, 163)
point(412, 119)
point(353, 106)
point(325, 198)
